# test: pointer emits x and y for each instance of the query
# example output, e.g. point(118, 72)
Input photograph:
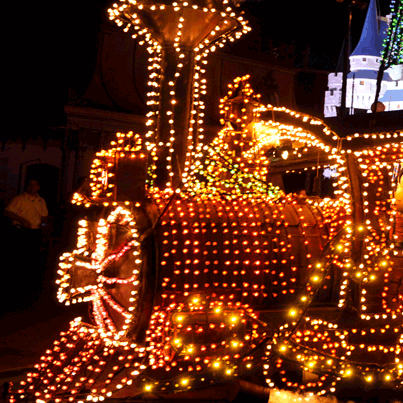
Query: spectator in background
point(28, 210)
point(23, 243)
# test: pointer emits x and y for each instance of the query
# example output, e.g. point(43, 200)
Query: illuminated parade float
point(200, 271)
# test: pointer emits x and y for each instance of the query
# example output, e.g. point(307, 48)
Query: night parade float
point(204, 278)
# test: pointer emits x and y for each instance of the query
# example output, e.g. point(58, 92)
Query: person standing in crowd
point(28, 210)
point(22, 246)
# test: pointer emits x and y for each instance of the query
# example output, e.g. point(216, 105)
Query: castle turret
point(367, 54)
point(364, 65)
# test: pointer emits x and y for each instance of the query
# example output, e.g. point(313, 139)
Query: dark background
point(53, 45)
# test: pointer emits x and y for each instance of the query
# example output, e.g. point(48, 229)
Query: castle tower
point(364, 65)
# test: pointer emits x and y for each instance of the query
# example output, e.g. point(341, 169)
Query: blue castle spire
point(364, 65)
point(373, 34)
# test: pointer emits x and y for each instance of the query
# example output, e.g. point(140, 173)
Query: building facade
point(114, 102)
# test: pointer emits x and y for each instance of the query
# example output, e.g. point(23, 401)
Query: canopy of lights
point(206, 273)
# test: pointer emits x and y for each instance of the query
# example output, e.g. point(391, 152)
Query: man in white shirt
point(24, 246)
point(28, 210)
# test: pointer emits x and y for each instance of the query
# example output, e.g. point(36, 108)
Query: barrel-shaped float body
point(258, 253)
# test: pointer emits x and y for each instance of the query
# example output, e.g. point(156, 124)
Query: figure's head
point(33, 187)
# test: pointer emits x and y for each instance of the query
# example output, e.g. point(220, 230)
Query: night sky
point(320, 24)
point(53, 47)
